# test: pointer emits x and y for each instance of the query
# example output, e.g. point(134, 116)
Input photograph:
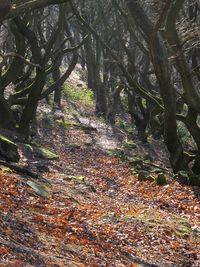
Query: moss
point(40, 151)
point(194, 179)
point(3, 138)
point(68, 124)
point(8, 149)
point(143, 176)
point(45, 153)
point(29, 147)
point(188, 178)
point(161, 179)
point(78, 178)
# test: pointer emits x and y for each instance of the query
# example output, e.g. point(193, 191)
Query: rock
point(161, 179)
point(45, 153)
point(143, 176)
point(183, 177)
point(69, 124)
point(8, 149)
point(189, 178)
point(88, 144)
point(194, 179)
point(79, 178)
point(40, 152)
point(41, 190)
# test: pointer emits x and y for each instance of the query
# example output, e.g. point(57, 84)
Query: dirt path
point(97, 214)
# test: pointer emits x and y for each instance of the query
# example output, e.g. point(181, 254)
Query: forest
point(100, 133)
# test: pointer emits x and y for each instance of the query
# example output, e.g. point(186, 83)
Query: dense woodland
point(140, 60)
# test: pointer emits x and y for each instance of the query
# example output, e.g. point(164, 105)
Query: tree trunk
point(160, 62)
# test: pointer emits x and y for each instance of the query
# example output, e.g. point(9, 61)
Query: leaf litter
point(97, 213)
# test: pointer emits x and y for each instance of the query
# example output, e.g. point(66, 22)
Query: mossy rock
point(8, 149)
point(138, 168)
point(88, 144)
point(39, 189)
point(161, 179)
point(183, 177)
point(41, 152)
point(189, 178)
point(79, 178)
point(194, 179)
point(143, 176)
point(44, 153)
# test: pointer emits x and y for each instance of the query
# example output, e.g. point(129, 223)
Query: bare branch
point(13, 54)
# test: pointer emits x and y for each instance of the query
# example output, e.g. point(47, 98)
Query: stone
point(143, 176)
point(8, 149)
point(79, 178)
point(45, 153)
point(41, 190)
point(161, 179)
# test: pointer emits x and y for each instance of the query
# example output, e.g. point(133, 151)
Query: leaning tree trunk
point(33, 97)
point(5, 7)
point(6, 119)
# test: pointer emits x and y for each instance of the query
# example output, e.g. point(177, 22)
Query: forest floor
point(94, 211)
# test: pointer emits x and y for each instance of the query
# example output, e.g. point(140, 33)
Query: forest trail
point(97, 212)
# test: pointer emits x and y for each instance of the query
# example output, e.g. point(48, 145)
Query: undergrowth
point(83, 95)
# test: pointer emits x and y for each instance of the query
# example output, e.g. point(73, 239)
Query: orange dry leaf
point(4, 251)
point(83, 241)
point(73, 237)
point(17, 263)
